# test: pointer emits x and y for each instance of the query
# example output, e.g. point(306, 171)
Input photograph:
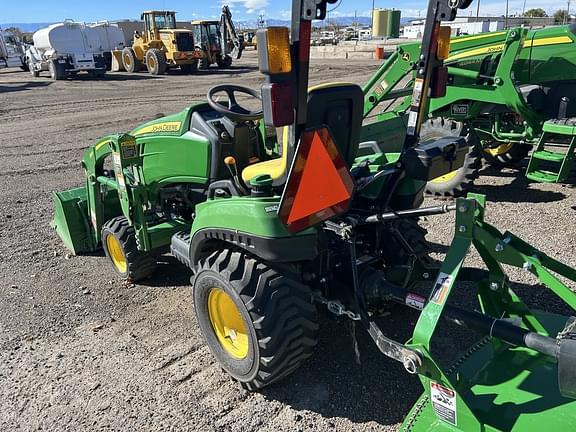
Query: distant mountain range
point(340, 21)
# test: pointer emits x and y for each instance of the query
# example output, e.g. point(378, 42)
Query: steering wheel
point(234, 111)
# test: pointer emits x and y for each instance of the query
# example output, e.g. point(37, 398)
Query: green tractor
point(277, 228)
point(509, 92)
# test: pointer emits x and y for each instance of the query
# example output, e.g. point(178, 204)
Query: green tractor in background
point(508, 92)
point(275, 228)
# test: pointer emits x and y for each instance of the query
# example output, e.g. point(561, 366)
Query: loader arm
point(394, 79)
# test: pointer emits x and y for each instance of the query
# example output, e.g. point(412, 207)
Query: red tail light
point(439, 82)
point(278, 104)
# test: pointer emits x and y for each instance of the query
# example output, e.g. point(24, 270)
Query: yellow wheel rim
point(445, 177)
point(151, 62)
point(500, 150)
point(127, 60)
point(116, 253)
point(228, 323)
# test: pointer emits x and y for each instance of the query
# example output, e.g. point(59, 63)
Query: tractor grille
point(184, 42)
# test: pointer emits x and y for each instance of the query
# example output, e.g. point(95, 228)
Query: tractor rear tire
point(506, 155)
point(156, 61)
point(460, 181)
point(119, 243)
point(396, 252)
point(130, 61)
point(225, 62)
point(188, 69)
point(57, 71)
point(259, 324)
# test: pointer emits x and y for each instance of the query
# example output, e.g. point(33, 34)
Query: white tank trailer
point(111, 39)
point(66, 48)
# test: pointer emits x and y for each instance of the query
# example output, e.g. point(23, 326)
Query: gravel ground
point(80, 350)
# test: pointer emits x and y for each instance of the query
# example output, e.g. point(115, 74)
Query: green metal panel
point(171, 125)
point(247, 214)
point(507, 389)
point(160, 235)
point(164, 157)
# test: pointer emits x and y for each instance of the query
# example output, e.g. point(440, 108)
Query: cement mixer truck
point(64, 49)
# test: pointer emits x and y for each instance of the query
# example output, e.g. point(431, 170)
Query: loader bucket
point(71, 220)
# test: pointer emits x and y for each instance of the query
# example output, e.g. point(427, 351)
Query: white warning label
point(416, 301)
point(443, 402)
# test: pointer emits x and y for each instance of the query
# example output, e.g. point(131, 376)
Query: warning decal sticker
point(443, 402)
point(441, 288)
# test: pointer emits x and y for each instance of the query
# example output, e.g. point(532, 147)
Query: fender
point(251, 224)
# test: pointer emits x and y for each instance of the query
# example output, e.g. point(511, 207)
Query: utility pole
point(478, 11)
point(524, 8)
point(506, 17)
point(568, 13)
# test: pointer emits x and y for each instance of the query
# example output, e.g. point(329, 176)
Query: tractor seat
point(339, 107)
point(275, 168)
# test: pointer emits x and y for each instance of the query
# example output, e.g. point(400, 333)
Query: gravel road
point(81, 350)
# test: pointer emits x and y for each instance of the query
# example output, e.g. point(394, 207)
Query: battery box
point(435, 158)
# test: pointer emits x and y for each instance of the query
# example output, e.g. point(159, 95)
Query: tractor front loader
point(277, 228)
point(161, 46)
point(508, 92)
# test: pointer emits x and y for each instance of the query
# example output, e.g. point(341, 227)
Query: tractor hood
point(172, 125)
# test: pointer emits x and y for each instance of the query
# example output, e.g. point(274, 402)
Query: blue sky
point(90, 10)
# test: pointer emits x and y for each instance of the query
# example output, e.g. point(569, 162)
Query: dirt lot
point(80, 350)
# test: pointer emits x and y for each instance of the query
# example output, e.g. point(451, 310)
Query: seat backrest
point(340, 107)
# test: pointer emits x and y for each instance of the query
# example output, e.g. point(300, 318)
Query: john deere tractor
point(509, 92)
point(161, 46)
point(276, 228)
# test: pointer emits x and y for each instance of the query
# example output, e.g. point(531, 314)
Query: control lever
point(230, 162)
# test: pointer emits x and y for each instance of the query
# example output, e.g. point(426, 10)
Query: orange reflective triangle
point(319, 186)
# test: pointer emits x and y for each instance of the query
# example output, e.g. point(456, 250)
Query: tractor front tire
point(259, 324)
point(506, 155)
point(130, 61)
point(461, 180)
point(156, 61)
point(119, 243)
point(188, 69)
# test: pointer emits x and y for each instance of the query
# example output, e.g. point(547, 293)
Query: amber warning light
point(319, 186)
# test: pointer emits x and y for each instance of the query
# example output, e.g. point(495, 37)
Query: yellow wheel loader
point(161, 46)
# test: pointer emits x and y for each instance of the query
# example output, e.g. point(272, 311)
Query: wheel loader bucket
point(71, 220)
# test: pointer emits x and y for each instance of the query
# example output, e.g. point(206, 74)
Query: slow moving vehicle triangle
point(319, 185)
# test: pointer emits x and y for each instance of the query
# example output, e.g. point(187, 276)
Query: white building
point(461, 26)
